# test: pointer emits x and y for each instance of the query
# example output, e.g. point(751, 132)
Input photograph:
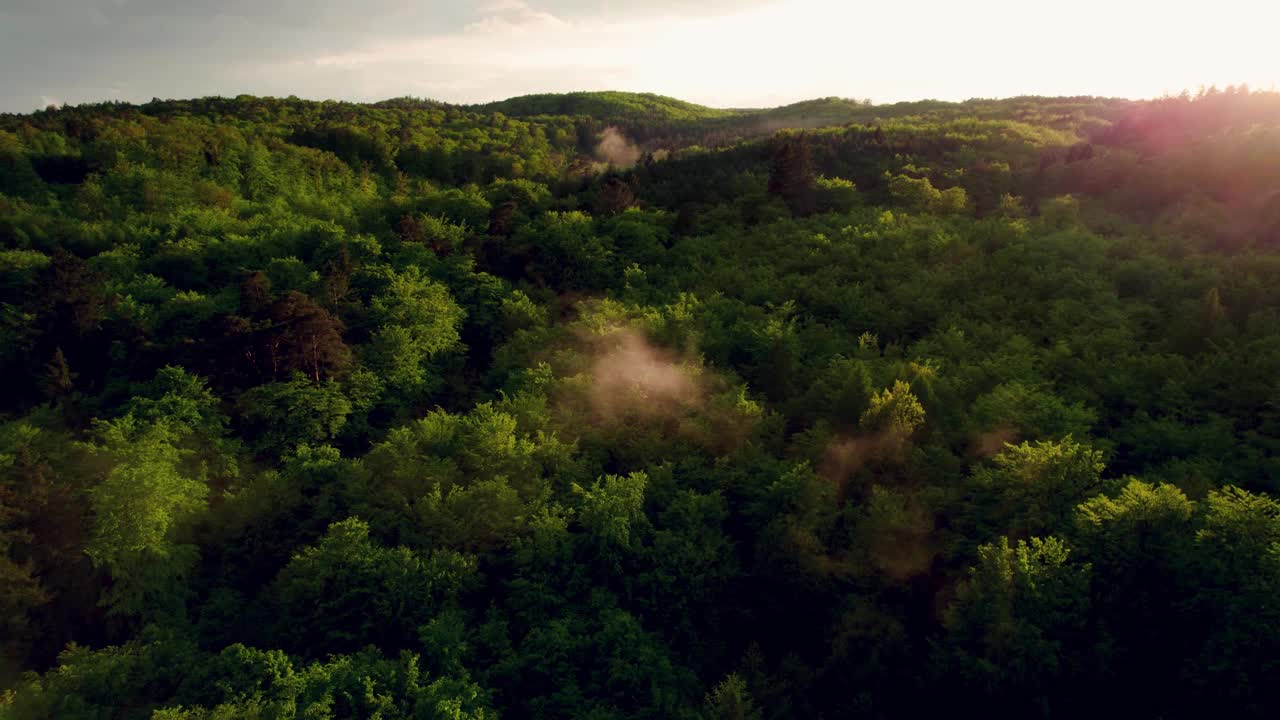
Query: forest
point(614, 407)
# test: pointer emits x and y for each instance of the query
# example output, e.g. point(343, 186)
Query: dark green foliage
point(791, 176)
point(411, 410)
point(346, 592)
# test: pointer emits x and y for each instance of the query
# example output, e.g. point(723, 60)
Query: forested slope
point(412, 410)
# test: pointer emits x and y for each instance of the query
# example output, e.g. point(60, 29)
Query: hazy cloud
point(615, 149)
point(723, 53)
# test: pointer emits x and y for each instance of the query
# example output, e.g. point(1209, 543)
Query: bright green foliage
point(920, 195)
point(894, 411)
point(1143, 522)
point(1033, 488)
point(141, 506)
point(914, 193)
point(186, 402)
point(611, 510)
point(836, 195)
point(418, 320)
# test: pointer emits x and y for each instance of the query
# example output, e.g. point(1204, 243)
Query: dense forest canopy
point(614, 406)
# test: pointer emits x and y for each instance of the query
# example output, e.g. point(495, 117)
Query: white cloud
point(727, 58)
point(510, 17)
point(731, 54)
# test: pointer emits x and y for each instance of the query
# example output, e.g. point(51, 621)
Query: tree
point(255, 293)
point(284, 415)
point(141, 505)
point(612, 510)
point(1062, 211)
point(916, 194)
point(1238, 551)
point(73, 297)
point(418, 320)
point(20, 590)
point(1017, 626)
point(304, 337)
point(1029, 412)
point(185, 402)
point(568, 252)
point(836, 195)
point(614, 197)
point(347, 591)
point(893, 412)
point(791, 176)
point(502, 220)
point(730, 700)
point(1140, 545)
point(1033, 488)
point(951, 201)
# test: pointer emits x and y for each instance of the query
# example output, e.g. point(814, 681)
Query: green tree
point(1239, 556)
point(142, 504)
point(1140, 544)
point(418, 320)
point(612, 510)
point(347, 591)
point(286, 414)
point(1033, 488)
point(894, 411)
point(730, 700)
point(836, 195)
point(1017, 626)
point(916, 194)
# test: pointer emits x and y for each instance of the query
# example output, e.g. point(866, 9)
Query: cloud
point(615, 149)
point(511, 17)
point(735, 54)
point(630, 378)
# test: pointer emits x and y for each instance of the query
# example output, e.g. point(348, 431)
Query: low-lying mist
point(615, 149)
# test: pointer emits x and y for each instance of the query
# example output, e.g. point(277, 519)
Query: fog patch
point(846, 455)
point(897, 531)
point(616, 150)
point(618, 382)
point(631, 377)
point(991, 443)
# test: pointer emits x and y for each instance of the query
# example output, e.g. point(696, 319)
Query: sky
point(723, 53)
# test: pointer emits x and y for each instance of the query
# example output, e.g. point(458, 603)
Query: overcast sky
point(749, 53)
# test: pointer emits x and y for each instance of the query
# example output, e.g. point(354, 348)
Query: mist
point(630, 377)
point(615, 149)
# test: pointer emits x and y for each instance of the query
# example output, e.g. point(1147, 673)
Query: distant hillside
point(828, 110)
point(656, 121)
point(605, 106)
